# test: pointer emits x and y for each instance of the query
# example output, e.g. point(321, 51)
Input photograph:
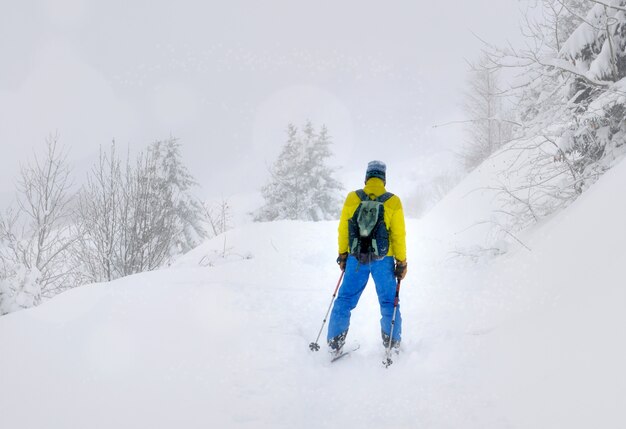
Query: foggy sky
point(227, 77)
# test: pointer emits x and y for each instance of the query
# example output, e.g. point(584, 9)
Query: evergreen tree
point(302, 184)
point(176, 184)
point(324, 204)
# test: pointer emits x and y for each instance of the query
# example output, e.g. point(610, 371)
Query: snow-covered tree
point(99, 220)
point(162, 217)
point(177, 183)
point(325, 203)
point(557, 21)
point(570, 104)
point(135, 217)
point(35, 240)
point(20, 288)
point(302, 185)
point(487, 128)
point(283, 193)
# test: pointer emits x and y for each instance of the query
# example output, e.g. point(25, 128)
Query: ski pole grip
point(397, 300)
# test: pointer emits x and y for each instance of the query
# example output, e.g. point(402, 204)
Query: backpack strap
point(384, 197)
point(362, 195)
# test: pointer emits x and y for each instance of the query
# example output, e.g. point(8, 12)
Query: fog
point(227, 77)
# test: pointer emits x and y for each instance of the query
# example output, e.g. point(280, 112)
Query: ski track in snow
point(223, 342)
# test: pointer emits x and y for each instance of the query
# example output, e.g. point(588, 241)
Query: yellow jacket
point(394, 219)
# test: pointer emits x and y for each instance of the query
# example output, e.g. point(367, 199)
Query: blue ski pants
point(354, 282)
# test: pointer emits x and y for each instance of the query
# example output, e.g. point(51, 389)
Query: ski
point(344, 353)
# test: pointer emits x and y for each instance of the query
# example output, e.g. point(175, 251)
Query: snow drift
point(527, 340)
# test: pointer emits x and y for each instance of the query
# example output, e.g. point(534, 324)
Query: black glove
point(400, 270)
point(341, 261)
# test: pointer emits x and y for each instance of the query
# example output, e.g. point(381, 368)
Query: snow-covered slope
point(223, 342)
point(529, 340)
point(561, 362)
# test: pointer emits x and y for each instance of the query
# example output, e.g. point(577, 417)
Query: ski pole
point(314, 346)
point(388, 360)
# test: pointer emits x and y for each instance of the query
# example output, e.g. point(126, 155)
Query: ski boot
point(336, 344)
point(395, 344)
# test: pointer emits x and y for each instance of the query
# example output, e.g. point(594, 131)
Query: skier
point(371, 241)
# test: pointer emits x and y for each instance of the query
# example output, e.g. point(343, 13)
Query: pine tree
point(176, 184)
point(325, 203)
point(301, 185)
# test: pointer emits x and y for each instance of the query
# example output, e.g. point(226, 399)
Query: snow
point(21, 290)
point(585, 35)
point(241, 206)
point(220, 339)
point(567, 352)
point(602, 67)
point(615, 95)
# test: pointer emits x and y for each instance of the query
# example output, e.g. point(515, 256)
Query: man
point(381, 254)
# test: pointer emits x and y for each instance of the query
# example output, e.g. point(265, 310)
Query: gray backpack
point(367, 232)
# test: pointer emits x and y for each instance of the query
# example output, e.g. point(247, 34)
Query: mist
point(183, 184)
point(226, 79)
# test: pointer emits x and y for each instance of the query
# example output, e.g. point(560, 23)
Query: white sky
point(226, 77)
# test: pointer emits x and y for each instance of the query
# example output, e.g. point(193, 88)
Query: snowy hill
point(528, 340)
point(563, 358)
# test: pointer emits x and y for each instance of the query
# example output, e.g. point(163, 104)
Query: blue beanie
point(376, 169)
